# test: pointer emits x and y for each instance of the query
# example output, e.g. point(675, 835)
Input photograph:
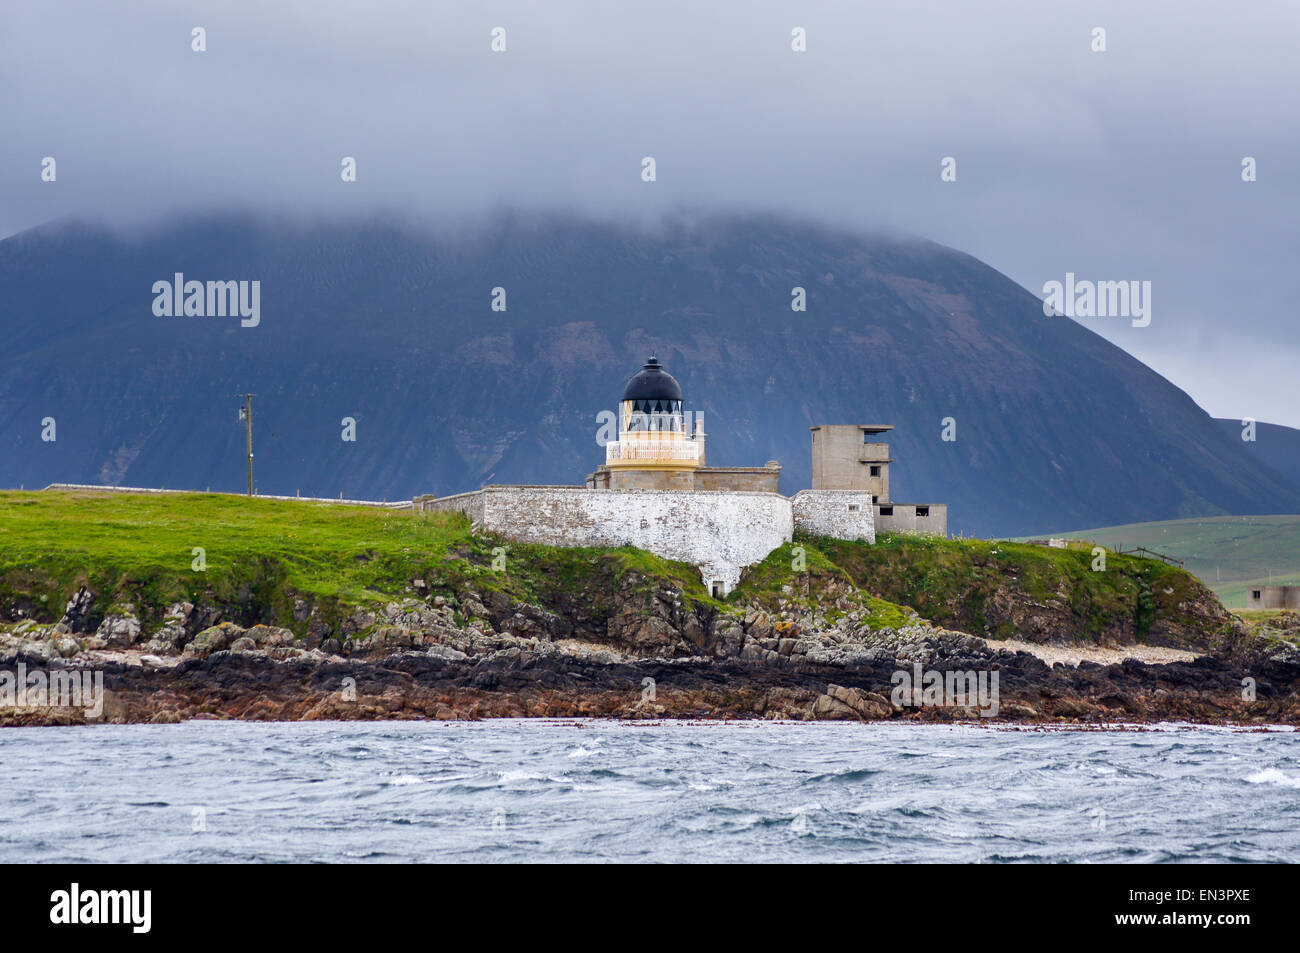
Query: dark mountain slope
point(1274, 446)
point(1055, 427)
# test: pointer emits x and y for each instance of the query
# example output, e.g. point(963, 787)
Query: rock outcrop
point(619, 634)
point(483, 655)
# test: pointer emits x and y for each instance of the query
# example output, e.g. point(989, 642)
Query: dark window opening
point(886, 511)
point(1255, 594)
point(923, 511)
point(875, 470)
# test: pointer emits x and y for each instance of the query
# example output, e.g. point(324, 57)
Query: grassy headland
point(289, 598)
point(262, 556)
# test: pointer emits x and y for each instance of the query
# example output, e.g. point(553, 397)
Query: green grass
point(800, 565)
point(802, 574)
point(968, 584)
point(1230, 554)
point(262, 554)
point(1259, 615)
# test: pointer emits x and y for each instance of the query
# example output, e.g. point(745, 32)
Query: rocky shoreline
point(481, 655)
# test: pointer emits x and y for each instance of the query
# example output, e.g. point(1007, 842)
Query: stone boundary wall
point(721, 533)
point(838, 513)
point(471, 504)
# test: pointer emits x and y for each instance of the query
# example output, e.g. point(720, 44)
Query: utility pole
point(246, 415)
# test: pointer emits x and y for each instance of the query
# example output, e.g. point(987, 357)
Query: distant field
point(1230, 554)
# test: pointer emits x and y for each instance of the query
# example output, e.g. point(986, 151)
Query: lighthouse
point(660, 446)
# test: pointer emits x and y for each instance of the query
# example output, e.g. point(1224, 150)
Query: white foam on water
point(509, 777)
point(1275, 777)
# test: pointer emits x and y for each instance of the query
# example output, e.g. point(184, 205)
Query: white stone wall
point(837, 513)
point(719, 532)
point(471, 504)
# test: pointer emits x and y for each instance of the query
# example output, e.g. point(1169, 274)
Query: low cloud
point(1115, 165)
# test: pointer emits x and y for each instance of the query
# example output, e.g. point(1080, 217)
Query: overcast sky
point(1117, 165)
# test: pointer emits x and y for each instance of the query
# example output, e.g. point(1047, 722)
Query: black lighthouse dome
point(652, 400)
point(653, 384)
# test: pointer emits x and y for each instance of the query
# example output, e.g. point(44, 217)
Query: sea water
point(536, 791)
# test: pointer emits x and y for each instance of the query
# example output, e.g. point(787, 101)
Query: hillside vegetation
point(259, 556)
point(1017, 590)
point(264, 560)
point(1230, 554)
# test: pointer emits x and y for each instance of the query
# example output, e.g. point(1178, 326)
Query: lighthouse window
point(875, 470)
point(886, 511)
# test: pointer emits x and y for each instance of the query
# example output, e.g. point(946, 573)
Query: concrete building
point(1273, 597)
point(846, 459)
point(655, 491)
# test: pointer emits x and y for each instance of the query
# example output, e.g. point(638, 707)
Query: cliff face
point(619, 645)
point(1054, 426)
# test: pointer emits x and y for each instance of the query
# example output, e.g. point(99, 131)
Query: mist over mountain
point(393, 327)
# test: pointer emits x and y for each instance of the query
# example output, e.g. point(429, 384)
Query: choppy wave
point(593, 791)
point(1274, 776)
